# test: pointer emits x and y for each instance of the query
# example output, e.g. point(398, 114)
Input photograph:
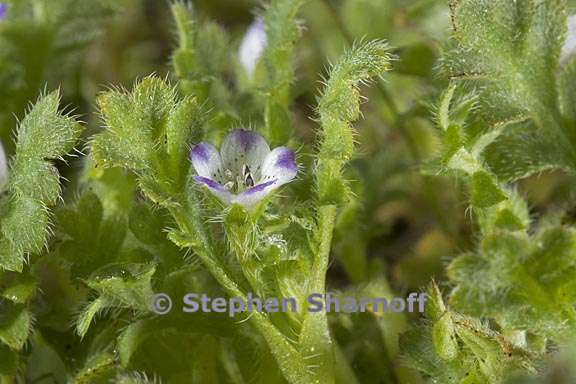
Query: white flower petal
point(217, 189)
point(252, 46)
point(280, 165)
point(3, 168)
point(251, 196)
point(241, 148)
point(207, 162)
point(569, 48)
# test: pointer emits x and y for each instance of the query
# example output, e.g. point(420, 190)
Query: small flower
point(245, 170)
point(252, 46)
point(3, 10)
point(3, 168)
point(569, 48)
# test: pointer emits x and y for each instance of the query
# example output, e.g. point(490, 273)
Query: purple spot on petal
point(200, 153)
point(259, 187)
point(286, 160)
point(209, 183)
point(3, 10)
point(246, 139)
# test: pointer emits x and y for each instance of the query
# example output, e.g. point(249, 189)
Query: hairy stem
point(288, 358)
point(315, 340)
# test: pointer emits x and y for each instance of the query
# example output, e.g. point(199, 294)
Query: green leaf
point(522, 151)
point(443, 331)
point(20, 288)
point(129, 341)
point(154, 99)
point(418, 352)
point(128, 141)
point(44, 361)
point(8, 361)
point(184, 126)
point(453, 142)
point(99, 367)
point(136, 123)
point(15, 324)
point(148, 131)
point(443, 111)
point(146, 224)
point(44, 134)
point(36, 179)
point(82, 221)
point(126, 285)
point(91, 241)
point(88, 313)
point(511, 214)
point(25, 227)
point(444, 339)
point(484, 190)
point(567, 89)
point(508, 220)
point(511, 50)
point(556, 252)
point(45, 131)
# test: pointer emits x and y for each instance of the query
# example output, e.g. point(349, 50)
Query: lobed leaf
point(43, 135)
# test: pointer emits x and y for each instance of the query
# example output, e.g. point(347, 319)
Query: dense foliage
point(435, 151)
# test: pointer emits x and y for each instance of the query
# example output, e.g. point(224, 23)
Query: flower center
point(238, 183)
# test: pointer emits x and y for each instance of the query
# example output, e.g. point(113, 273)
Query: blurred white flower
point(253, 45)
point(569, 48)
point(3, 168)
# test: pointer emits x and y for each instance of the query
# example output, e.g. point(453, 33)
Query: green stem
point(249, 265)
point(399, 122)
point(326, 222)
point(315, 340)
point(290, 361)
point(350, 40)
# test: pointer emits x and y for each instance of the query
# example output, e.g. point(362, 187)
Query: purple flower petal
point(217, 189)
point(280, 164)
point(253, 195)
point(241, 148)
point(207, 162)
